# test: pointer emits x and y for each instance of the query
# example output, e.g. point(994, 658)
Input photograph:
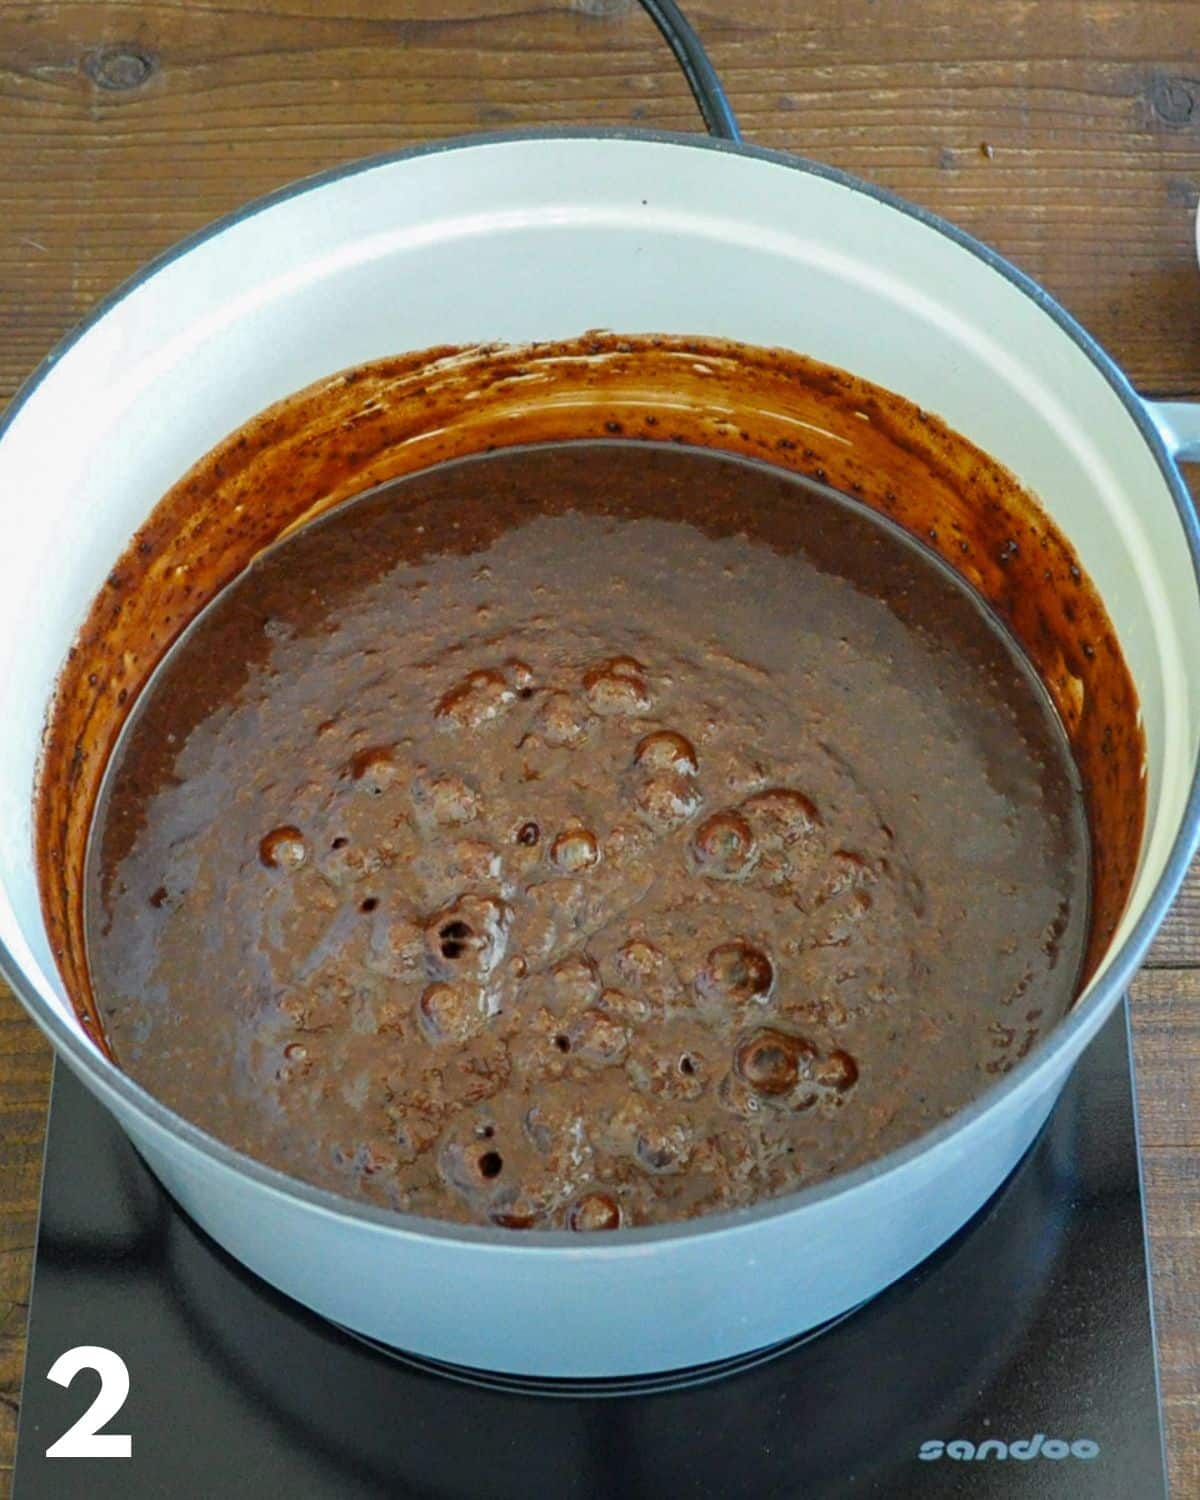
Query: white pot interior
point(544, 238)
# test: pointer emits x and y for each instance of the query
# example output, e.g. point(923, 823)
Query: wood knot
point(119, 68)
point(1174, 100)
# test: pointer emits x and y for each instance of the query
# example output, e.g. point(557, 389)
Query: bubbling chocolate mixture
point(586, 835)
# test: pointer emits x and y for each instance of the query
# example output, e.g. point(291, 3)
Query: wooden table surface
point(1065, 132)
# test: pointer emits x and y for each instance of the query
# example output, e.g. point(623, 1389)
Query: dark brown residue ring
point(355, 430)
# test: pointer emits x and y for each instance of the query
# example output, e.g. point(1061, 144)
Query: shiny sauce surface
point(586, 834)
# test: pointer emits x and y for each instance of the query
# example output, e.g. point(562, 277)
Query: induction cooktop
point(1018, 1361)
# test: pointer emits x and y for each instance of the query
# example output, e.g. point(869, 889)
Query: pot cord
point(697, 69)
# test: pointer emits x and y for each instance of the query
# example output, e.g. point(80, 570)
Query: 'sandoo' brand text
point(1038, 1446)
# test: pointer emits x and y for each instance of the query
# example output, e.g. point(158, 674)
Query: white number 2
point(83, 1439)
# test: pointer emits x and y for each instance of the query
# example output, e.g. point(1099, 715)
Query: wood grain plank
point(1166, 1012)
point(1178, 943)
point(1172, 1186)
point(1091, 112)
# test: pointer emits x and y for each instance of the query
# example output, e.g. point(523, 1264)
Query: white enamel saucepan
point(535, 236)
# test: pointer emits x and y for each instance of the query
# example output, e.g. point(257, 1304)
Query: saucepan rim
point(83, 1056)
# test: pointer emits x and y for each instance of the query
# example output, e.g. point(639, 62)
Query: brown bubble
point(575, 849)
point(666, 800)
point(577, 980)
point(563, 722)
point(294, 1006)
point(839, 1072)
point(481, 696)
point(452, 1012)
point(666, 750)
point(517, 1208)
point(617, 686)
point(723, 846)
point(598, 1037)
point(509, 1218)
point(781, 813)
point(373, 769)
point(593, 1212)
point(632, 1009)
point(283, 848)
point(639, 961)
point(447, 800)
point(475, 860)
point(520, 674)
point(467, 938)
point(769, 1060)
point(736, 971)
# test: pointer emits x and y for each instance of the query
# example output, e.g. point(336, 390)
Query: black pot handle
point(697, 69)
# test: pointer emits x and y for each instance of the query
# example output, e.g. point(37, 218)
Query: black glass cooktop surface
point(1017, 1362)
